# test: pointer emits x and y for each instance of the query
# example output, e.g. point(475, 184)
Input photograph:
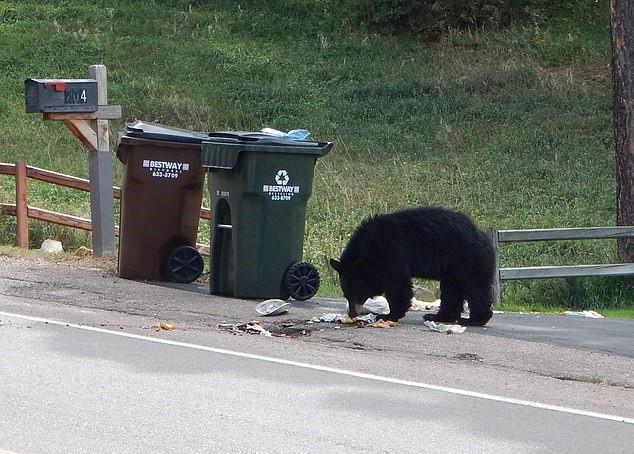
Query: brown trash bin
point(161, 195)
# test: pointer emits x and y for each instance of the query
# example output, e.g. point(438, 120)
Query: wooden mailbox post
point(82, 104)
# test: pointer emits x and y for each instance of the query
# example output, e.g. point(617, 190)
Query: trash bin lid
point(221, 149)
point(155, 131)
point(259, 138)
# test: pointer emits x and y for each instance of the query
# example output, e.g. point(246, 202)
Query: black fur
point(387, 250)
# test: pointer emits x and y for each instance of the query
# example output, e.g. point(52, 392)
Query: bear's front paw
point(472, 322)
point(440, 318)
point(389, 317)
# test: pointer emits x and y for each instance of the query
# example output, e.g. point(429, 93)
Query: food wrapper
point(442, 328)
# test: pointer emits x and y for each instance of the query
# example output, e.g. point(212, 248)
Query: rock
point(424, 294)
point(52, 247)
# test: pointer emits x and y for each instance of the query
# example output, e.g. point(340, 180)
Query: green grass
point(617, 313)
point(512, 126)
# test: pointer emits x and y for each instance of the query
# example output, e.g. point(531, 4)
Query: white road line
point(396, 381)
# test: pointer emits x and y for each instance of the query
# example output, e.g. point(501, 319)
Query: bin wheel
point(302, 281)
point(184, 264)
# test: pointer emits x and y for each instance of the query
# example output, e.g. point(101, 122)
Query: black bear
point(387, 250)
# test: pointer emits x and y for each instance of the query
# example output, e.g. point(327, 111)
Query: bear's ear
point(336, 265)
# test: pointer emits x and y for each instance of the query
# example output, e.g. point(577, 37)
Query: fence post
point(21, 205)
point(493, 233)
point(100, 172)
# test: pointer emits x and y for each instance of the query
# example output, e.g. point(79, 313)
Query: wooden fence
point(22, 211)
point(544, 272)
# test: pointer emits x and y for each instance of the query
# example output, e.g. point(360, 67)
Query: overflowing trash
point(295, 134)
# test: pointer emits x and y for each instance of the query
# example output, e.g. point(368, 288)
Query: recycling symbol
point(282, 177)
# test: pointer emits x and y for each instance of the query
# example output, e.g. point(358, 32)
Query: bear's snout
point(354, 309)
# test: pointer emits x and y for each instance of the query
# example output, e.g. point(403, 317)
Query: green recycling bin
point(259, 186)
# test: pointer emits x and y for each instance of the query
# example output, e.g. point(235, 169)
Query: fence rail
point(547, 272)
point(580, 233)
point(22, 211)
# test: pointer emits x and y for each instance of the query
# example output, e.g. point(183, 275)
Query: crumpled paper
point(443, 328)
point(377, 305)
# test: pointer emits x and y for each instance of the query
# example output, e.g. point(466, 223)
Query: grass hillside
point(512, 126)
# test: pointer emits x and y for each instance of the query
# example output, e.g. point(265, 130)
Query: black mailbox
point(66, 95)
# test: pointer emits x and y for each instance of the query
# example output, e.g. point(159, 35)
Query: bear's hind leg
point(451, 301)
point(480, 301)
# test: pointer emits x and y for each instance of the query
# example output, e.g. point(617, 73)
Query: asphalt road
point(598, 335)
point(70, 389)
point(524, 382)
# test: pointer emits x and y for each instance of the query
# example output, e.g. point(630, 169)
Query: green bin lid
point(222, 149)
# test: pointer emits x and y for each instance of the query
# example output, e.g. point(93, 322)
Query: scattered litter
point(367, 318)
point(418, 305)
point(327, 318)
point(163, 326)
point(252, 327)
point(345, 319)
point(588, 314)
point(284, 329)
point(333, 318)
point(383, 324)
point(377, 305)
point(272, 307)
point(442, 328)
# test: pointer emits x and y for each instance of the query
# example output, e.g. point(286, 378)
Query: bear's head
point(357, 282)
